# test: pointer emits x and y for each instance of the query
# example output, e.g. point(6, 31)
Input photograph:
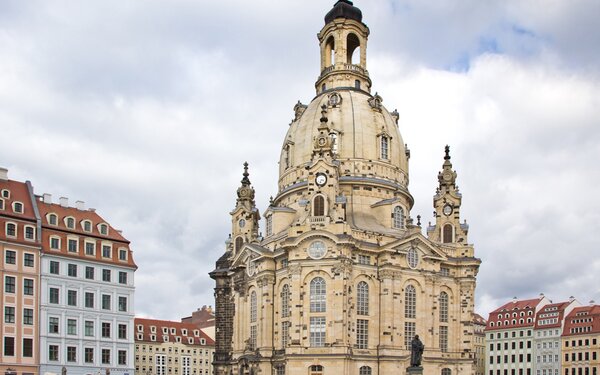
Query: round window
point(317, 250)
point(413, 258)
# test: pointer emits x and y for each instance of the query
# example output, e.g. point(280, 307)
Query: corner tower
point(343, 279)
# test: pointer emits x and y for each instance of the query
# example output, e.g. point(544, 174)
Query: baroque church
point(344, 278)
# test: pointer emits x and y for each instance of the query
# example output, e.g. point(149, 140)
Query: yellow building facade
point(344, 277)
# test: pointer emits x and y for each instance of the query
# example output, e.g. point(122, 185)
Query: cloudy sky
point(146, 111)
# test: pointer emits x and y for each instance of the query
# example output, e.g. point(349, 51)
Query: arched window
point(357, 84)
point(410, 302)
point(287, 156)
point(384, 147)
point(398, 217)
point(319, 206)
point(316, 370)
point(364, 370)
point(11, 229)
point(285, 301)
point(447, 233)
point(444, 307)
point(352, 45)
point(446, 371)
point(253, 313)
point(239, 242)
point(330, 52)
point(362, 298)
point(318, 295)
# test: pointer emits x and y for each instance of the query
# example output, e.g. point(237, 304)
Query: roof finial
point(447, 149)
point(246, 180)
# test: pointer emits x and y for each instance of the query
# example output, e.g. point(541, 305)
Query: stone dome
point(357, 121)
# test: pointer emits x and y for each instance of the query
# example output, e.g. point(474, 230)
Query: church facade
point(344, 278)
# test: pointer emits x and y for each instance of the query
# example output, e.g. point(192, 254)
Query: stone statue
point(416, 353)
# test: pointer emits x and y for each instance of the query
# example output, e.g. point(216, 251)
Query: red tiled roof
point(514, 314)
point(551, 315)
point(62, 231)
point(582, 320)
point(18, 192)
point(478, 319)
point(178, 326)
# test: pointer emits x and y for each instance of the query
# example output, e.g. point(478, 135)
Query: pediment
point(252, 251)
point(417, 241)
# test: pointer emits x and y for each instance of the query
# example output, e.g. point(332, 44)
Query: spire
point(447, 149)
point(246, 181)
point(245, 192)
point(447, 177)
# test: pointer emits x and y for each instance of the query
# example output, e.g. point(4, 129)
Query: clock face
point(242, 223)
point(317, 250)
point(447, 210)
point(321, 179)
point(447, 176)
point(322, 141)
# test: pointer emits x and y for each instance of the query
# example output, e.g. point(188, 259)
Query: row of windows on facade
point(88, 300)
point(88, 274)
point(86, 225)
point(10, 257)
point(88, 355)
point(161, 370)
point(547, 372)
point(513, 345)
point(512, 359)
point(11, 230)
point(166, 330)
point(580, 342)
point(89, 246)
point(318, 303)
point(581, 356)
point(170, 359)
point(10, 285)
point(166, 338)
point(172, 350)
point(573, 371)
point(10, 349)
point(582, 371)
point(162, 366)
point(514, 334)
point(10, 315)
point(89, 328)
point(363, 370)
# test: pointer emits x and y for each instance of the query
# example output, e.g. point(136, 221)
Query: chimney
point(3, 174)
point(592, 302)
point(80, 205)
point(64, 202)
point(92, 209)
point(571, 299)
point(47, 198)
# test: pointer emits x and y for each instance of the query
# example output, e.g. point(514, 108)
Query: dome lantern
point(343, 42)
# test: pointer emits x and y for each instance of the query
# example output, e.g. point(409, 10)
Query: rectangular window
point(123, 331)
point(253, 335)
point(53, 352)
point(9, 284)
point(29, 233)
point(9, 314)
point(28, 348)
point(122, 277)
point(54, 267)
point(55, 243)
point(72, 270)
point(71, 326)
point(53, 325)
point(160, 363)
point(72, 297)
point(53, 296)
point(106, 275)
point(364, 259)
point(123, 304)
point(89, 355)
point(285, 334)
point(122, 254)
point(105, 356)
point(89, 300)
point(10, 257)
point(9, 346)
point(90, 248)
point(28, 317)
point(409, 333)
point(28, 260)
point(89, 273)
point(28, 287)
point(72, 245)
point(71, 354)
point(106, 250)
point(122, 358)
point(105, 330)
point(89, 328)
point(317, 331)
point(362, 333)
point(105, 302)
point(444, 338)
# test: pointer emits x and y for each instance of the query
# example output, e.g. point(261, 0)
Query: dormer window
point(103, 229)
point(55, 243)
point(29, 232)
point(140, 328)
point(70, 222)
point(196, 333)
point(166, 338)
point(5, 194)
point(52, 219)
point(153, 329)
point(202, 342)
point(173, 331)
point(123, 254)
point(152, 337)
point(165, 331)
point(18, 207)
point(184, 331)
point(1, 204)
point(87, 225)
point(190, 340)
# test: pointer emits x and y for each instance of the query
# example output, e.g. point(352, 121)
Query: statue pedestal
point(414, 370)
